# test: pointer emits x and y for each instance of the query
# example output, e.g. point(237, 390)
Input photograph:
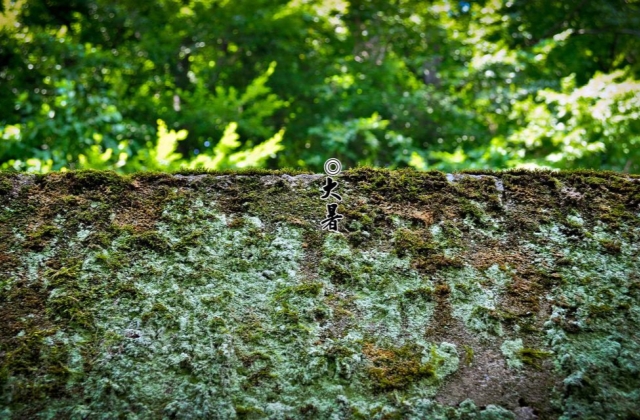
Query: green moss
point(419, 293)
point(338, 271)
point(470, 209)
point(611, 246)
point(35, 369)
point(38, 239)
point(147, 240)
point(64, 275)
point(409, 242)
point(5, 186)
point(596, 181)
point(533, 357)
point(238, 171)
point(468, 359)
point(398, 367)
point(442, 290)
point(437, 262)
point(617, 213)
point(304, 290)
point(112, 260)
point(363, 215)
point(237, 222)
point(248, 412)
point(86, 180)
point(189, 241)
point(160, 310)
point(400, 185)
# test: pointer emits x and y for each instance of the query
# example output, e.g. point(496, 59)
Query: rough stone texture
point(205, 295)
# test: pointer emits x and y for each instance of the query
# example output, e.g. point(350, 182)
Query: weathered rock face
point(509, 295)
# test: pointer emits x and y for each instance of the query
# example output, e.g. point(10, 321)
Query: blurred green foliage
point(164, 84)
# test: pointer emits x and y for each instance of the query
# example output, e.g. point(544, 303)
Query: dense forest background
point(166, 84)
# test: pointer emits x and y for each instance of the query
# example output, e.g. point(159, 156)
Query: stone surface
point(217, 295)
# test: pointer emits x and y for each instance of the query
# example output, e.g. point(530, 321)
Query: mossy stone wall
point(217, 295)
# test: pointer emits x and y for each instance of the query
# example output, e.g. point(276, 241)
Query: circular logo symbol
point(332, 166)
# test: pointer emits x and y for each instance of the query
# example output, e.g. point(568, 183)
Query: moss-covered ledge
point(217, 295)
